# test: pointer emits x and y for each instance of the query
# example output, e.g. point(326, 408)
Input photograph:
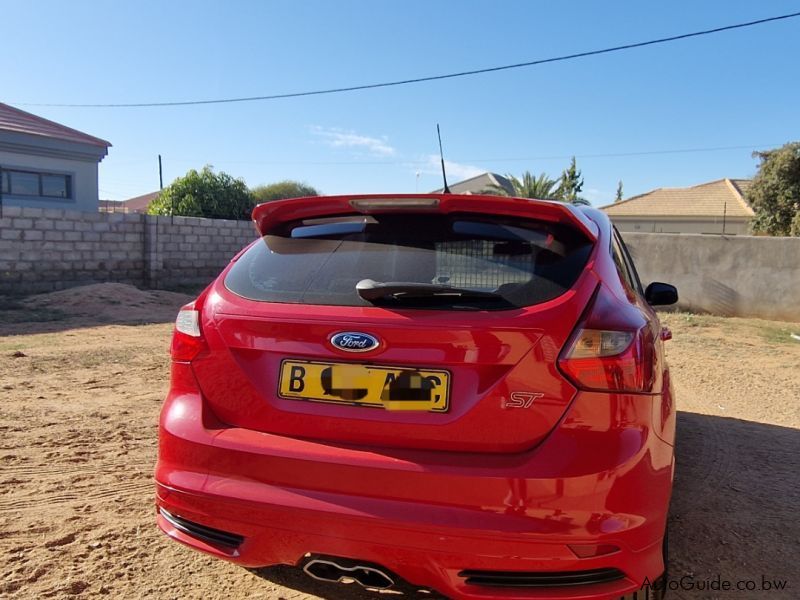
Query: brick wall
point(191, 250)
point(48, 249)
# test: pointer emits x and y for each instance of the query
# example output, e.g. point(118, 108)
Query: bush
point(775, 191)
point(205, 194)
point(282, 190)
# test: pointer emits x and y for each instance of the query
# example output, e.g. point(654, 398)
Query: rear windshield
point(320, 261)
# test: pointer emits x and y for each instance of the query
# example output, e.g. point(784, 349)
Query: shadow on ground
point(733, 516)
point(735, 503)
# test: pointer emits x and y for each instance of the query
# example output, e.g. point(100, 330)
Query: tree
point(204, 194)
point(282, 189)
point(571, 185)
point(618, 197)
point(775, 191)
point(530, 186)
point(565, 189)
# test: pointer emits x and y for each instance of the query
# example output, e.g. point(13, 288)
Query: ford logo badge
point(354, 341)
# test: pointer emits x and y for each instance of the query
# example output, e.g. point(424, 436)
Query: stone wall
point(190, 250)
point(742, 276)
point(49, 249)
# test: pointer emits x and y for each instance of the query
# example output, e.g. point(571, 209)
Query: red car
point(464, 395)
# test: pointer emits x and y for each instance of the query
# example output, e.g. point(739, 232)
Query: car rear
point(441, 389)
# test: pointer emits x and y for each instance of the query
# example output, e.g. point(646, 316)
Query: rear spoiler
point(271, 214)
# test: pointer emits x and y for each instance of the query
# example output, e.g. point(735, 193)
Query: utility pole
point(161, 189)
point(1, 191)
point(724, 215)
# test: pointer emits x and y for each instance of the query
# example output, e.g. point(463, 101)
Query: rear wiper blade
point(371, 290)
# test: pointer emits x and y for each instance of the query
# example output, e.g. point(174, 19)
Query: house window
point(30, 183)
point(24, 183)
point(55, 186)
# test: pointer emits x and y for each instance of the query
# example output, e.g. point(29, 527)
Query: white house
point(480, 184)
point(46, 164)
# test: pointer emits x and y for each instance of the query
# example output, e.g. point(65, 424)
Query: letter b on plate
point(296, 383)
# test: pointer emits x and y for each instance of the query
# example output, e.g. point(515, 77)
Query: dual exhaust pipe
point(367, 576)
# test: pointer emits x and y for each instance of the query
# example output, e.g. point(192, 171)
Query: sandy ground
point(83, 372)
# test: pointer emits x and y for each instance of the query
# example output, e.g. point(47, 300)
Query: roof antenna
point(441, 155)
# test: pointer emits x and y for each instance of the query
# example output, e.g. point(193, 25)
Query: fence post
point(152, 255)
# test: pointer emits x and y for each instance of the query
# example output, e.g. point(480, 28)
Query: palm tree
point(530, 186)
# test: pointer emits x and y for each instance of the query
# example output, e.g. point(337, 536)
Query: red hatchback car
point(455, 394)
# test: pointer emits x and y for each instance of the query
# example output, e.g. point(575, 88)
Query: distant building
point(138, 204)
point(479, 184)
point(715, 207)
point(45, 164)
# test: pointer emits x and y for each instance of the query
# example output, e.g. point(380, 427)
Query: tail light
point(187, 339)
point(609, 352)
point(394, 203)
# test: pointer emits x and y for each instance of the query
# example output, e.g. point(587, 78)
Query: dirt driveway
point(80, 391)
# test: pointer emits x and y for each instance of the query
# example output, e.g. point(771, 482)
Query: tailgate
point(437, 369)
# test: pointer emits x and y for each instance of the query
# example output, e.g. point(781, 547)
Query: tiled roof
point(140, 203)
point(705, 200)
point(19, 121)
point(742, 185)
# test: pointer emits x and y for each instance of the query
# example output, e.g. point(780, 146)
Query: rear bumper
point(427, 517)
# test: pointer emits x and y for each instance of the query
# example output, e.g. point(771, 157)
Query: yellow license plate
point(391, 388)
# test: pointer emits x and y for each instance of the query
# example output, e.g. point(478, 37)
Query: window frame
point(7, 178)
point(67, 185)
point(631, 274)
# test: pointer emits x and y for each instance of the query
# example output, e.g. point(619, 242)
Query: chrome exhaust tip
point(367, 577)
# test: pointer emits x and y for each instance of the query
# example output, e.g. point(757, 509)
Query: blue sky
point(736, 88)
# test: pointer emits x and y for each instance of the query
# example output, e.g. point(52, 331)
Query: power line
point(370, 86)
point(417, 162)
point(624, 154)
